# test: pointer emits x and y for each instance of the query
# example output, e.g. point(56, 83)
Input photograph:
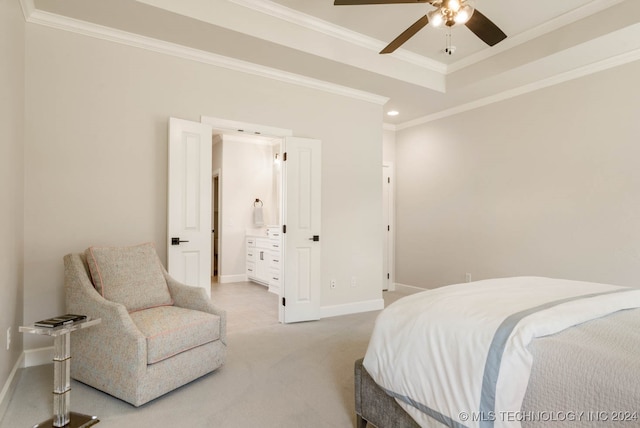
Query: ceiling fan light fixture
point(464, 14)
point(453, 5)
point(450, 12)
point(436, 18)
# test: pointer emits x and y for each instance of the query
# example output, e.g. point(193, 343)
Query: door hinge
point(389, 180)
point(284, 228)
point(284, 157)
point(388, 277)
point(284, 301)
point(388, 228)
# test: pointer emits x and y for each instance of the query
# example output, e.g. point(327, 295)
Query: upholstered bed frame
point(373, 405)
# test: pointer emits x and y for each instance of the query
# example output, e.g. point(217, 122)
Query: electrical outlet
point(333, 283)
point(8, 338)
point(354, 282)
point(467, 277)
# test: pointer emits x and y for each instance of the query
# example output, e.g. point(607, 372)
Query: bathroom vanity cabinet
point(264, 258)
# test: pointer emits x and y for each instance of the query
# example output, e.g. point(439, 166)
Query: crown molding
point(547, 27)
point(28, 6)
point(85, 28)
point(315, 24)
point(35, 16)
point(586, 70)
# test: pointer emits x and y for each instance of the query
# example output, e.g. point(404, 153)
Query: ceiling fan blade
point(486, 30)
point(357, 2)
point(406, 35)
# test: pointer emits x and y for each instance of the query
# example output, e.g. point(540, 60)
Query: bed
point(508, 352)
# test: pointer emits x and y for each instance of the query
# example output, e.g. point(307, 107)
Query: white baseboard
point(351, 308)
point(9, 387)
point(38, 357)
point(233, 278)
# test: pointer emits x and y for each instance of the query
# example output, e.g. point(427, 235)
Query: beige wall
point(389, 146)
point(95, 155)
point(11, 185)
point(547, 184)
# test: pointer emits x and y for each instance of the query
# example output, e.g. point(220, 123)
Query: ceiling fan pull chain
point(448, 49)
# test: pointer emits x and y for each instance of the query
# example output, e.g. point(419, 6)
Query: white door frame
point(233, 126)
point(388, 171)
point(216, 173)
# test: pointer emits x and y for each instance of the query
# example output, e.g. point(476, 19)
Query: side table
point(62, 417)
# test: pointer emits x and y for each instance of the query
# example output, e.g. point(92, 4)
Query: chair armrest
point(189, 297)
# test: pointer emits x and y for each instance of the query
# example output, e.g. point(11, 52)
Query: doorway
point(190, 184)
point(254, 179)
point(248, 183)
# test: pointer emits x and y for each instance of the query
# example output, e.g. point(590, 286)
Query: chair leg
point(360, 421)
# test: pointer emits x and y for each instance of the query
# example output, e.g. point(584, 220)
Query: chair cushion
point(132, 276)
point(171, 330)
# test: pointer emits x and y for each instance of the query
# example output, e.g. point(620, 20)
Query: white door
point(302, 240)
point(189, 199)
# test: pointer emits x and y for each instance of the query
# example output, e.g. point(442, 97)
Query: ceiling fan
point(446, 12)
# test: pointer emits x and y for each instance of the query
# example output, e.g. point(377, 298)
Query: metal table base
point(76, 420)
point(62, 416)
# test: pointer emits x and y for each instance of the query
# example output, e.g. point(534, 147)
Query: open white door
point(300, 293)
point(189, 199)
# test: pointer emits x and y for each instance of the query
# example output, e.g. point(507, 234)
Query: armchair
point(156, 334)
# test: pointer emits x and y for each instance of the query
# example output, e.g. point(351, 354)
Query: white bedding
point(458, 354)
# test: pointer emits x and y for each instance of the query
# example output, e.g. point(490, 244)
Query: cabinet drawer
point(274, 234)
point(251, 269)
point(274, 277)
point(251, 242)
point(274, 262)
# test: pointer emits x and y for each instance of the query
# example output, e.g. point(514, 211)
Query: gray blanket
point(586, 376)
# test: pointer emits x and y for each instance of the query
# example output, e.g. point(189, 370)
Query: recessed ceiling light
point(393, 113)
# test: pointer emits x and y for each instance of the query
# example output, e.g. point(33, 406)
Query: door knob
point(315, 238)
point(176, 241)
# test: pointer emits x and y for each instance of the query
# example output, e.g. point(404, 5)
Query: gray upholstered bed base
point(373, 405)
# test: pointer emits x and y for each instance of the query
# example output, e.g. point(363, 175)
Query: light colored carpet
point(276, 375)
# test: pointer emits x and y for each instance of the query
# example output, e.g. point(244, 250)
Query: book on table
point(60, 320)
